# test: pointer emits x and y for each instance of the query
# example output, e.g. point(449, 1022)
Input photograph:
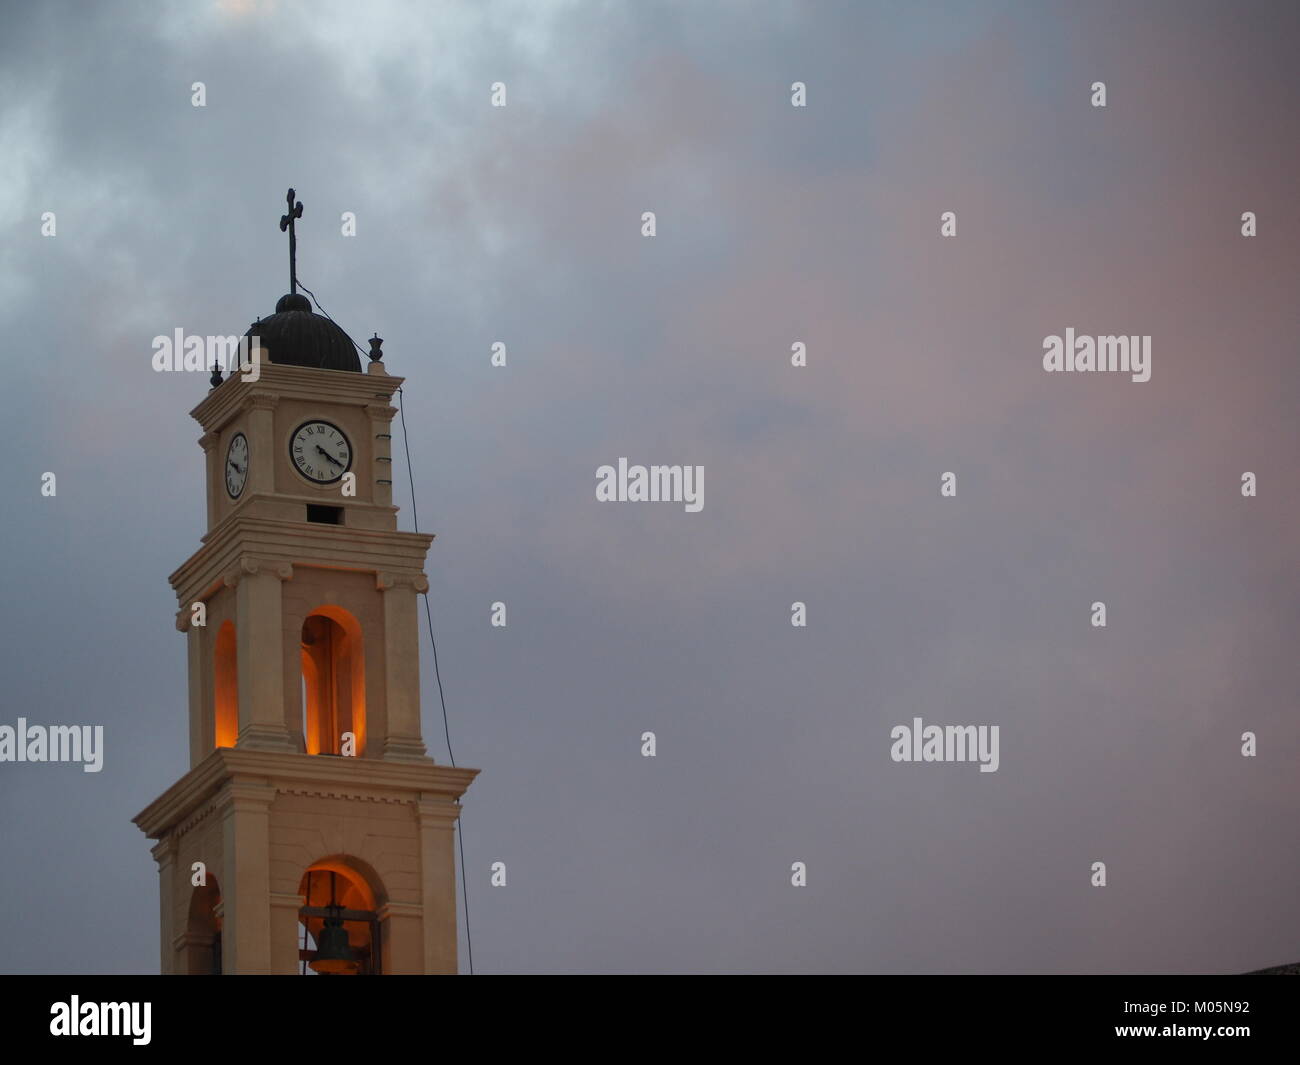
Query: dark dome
point(294, 336)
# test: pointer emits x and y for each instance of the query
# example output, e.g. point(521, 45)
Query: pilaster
point(381, 421)
point(208, 441)
point(400, 927)
point(246, 876)
point(285, 933)
point(164, 853)
point(438, 883)
point(261, 443)
point(402, 663)
point(258, 634)
point(201, 693)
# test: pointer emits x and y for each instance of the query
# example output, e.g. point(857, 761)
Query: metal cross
point(286, 222)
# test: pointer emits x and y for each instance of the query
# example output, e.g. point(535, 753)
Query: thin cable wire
point(437, 673)
point(415, 513)
point(464, 892)
point(327, 315)
point(428, 615)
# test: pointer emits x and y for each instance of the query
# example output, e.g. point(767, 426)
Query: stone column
point(402, 664)
point(259, 639)
point(245, 810)
point(261, 443)
point(403, 943)
point(381, 467)
point(208, 441)
point(284, 933)
point(438, 883)
point(202, 710)
point(164, 853)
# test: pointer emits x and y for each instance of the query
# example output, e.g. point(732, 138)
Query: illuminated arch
point(356, 890)
point(203, 931)
point(334, 681)
point(225, 673)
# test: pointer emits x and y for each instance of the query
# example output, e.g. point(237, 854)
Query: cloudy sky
point(775, 225)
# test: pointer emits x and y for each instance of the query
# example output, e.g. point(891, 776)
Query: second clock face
point(236, 465)
point(320, 451)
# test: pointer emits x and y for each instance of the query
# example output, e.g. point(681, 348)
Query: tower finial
point(286, 222)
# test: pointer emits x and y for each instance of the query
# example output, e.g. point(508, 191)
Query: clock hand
point(328, 455)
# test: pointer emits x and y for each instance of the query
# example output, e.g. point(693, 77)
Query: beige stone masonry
point(258, 819)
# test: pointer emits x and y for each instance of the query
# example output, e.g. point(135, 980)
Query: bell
point(333, 953)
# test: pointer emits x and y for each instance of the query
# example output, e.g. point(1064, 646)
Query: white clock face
point(320, 452)
point(236, 465)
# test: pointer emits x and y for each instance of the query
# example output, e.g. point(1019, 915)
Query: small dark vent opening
point(324, 515)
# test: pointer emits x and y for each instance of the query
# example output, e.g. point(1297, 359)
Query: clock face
point(320, 452)
point(236, 465)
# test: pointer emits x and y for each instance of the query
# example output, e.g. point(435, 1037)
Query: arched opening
point(203, 931)
point(334, 683)
point(336, 896)
point(225, 688)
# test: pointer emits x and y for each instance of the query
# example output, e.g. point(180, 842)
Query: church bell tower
point(312, 832)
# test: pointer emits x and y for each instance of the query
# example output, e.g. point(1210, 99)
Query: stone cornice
point(240, 795)
point(356, 795)
point(164, 852)
point(276, 544)
point(385, 580)
point(291, 382)
point(429, 786)
point(196, 818)
point(439, 812)
point(250, 566)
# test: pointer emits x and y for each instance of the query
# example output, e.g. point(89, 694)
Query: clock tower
point(312, 832)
